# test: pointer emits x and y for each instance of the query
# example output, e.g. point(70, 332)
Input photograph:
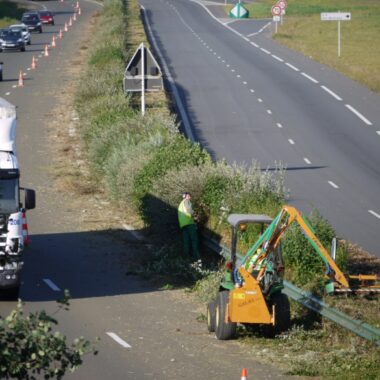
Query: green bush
point(178, 152)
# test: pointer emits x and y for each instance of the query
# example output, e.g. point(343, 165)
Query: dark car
point(46, 17)
point(1, 71)
point(32, 21)
point(12, 39)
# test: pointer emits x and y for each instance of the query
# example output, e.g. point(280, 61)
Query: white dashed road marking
point(278, 58)
point(265, 51)
point(309, 77)
point(334, 185)
point(374, 214)
point(332, 93)
point(117, 339)
point(291, 141)
point(358, 114)
point(279, 125)
point(307, 160)
point(292, 67)
point(51, 285)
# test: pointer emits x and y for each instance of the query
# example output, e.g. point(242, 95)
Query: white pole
point(276, 26)
point(338, 38)
point(142, 79)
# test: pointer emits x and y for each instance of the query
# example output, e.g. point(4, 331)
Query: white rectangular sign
point(276, 18)
point(336, 16)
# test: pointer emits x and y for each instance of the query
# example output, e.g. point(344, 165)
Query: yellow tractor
point(251, 291)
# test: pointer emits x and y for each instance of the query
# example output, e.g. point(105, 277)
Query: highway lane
point(248, 98)
point(145, 332)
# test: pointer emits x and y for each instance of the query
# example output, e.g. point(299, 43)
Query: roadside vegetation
point(10, 13)
point(144, 164)
point(303, 31)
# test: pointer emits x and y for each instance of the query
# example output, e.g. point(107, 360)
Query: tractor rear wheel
point(282, 314)
point(223, 330)
point(211, 311)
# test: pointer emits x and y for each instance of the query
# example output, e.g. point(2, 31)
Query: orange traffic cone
point(244, 374)
point(25, 233)
point(46, 54)
point(21, 79)
point(60, 34)
point(66, 27)
point(53, 44)
point(70, 22)
point(34, 64)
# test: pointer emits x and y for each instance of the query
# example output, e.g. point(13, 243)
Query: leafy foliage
point(29, 346)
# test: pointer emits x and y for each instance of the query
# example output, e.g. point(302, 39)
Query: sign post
point(336, 16)
point(142, 74)
point(276, 12)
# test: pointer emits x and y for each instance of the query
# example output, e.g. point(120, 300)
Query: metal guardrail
point(308, 300)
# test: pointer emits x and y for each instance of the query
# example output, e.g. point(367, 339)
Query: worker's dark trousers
point(190, 241)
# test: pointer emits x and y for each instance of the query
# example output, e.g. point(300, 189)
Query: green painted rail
point(310, 301)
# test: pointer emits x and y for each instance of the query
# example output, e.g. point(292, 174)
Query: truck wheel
point(10, 294)
point(282, 314)
point(211, 310)
point(223, 330)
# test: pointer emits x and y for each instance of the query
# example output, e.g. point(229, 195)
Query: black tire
point(29, 42)
point(211, 311)
point(223, 330)
point(1, 77)
point(22, 49)
point(40, 30)
point(282, 314)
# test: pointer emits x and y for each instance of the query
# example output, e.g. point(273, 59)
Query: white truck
point(12, 210)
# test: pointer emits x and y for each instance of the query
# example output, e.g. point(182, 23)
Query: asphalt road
point(244, 97)
point(145, 332)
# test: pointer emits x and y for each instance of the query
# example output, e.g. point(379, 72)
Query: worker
point(188, 226)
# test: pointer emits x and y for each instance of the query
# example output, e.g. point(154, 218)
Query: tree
point(29, 345)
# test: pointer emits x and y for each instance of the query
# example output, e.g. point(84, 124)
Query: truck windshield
point(9, 196)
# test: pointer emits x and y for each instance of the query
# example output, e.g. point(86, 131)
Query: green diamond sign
point(238, 11)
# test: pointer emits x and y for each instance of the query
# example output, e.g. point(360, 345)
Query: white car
point(24, 31)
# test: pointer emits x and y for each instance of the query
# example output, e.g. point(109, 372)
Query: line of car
point(17, 36)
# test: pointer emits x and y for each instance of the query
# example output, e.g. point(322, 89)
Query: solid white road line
point(292, 67)
point(374, 214)
point(51, 285)
point(332, 93)
point(358, 114)
point(334, 185)
point(291, 141)
point(309, 77)
point(117, 339)
point(307, 160)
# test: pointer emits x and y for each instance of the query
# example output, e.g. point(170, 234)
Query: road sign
point(142, 67)
point(276, 18)
point(238, 11)
point(282, 4)
point(276, 10)
point(336, 16)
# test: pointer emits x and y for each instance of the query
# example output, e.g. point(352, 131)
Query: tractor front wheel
point(223, 330)
point(211, 311)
